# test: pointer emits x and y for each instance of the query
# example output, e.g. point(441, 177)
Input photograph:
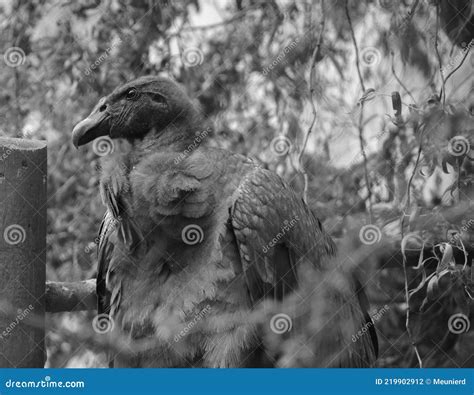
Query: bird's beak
point(95, 125)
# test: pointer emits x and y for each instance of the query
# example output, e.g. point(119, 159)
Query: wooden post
point(23, 176)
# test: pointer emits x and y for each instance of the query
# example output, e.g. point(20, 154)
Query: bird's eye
point(131, 93)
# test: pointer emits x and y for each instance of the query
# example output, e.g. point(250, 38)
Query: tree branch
point(442, 93)
point(75, 296)
point(311, 99)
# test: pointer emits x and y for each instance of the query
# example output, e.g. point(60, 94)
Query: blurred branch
point(75, 296)
point(442, 93)
point(81, 295)
point(314, 57)
point(361, 114)
point(356, 48)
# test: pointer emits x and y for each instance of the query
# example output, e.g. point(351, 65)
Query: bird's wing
point(274, 230)
point(118, 238)
point(275, 233)
point(105, 249)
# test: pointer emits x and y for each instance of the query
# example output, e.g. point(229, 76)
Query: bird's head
point(133, 110)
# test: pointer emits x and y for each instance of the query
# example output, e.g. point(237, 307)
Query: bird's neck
point(175, 138)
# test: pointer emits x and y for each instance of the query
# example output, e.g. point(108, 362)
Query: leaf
point(432, 288)
point(420, 285)
point(421, 262)
point(433, 285)
point(444, 165)
point(397, 103)
point(446, 259)
point(428, 169)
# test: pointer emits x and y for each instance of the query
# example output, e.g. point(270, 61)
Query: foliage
point(269, 74)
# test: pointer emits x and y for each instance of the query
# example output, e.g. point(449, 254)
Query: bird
point(195, 239)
